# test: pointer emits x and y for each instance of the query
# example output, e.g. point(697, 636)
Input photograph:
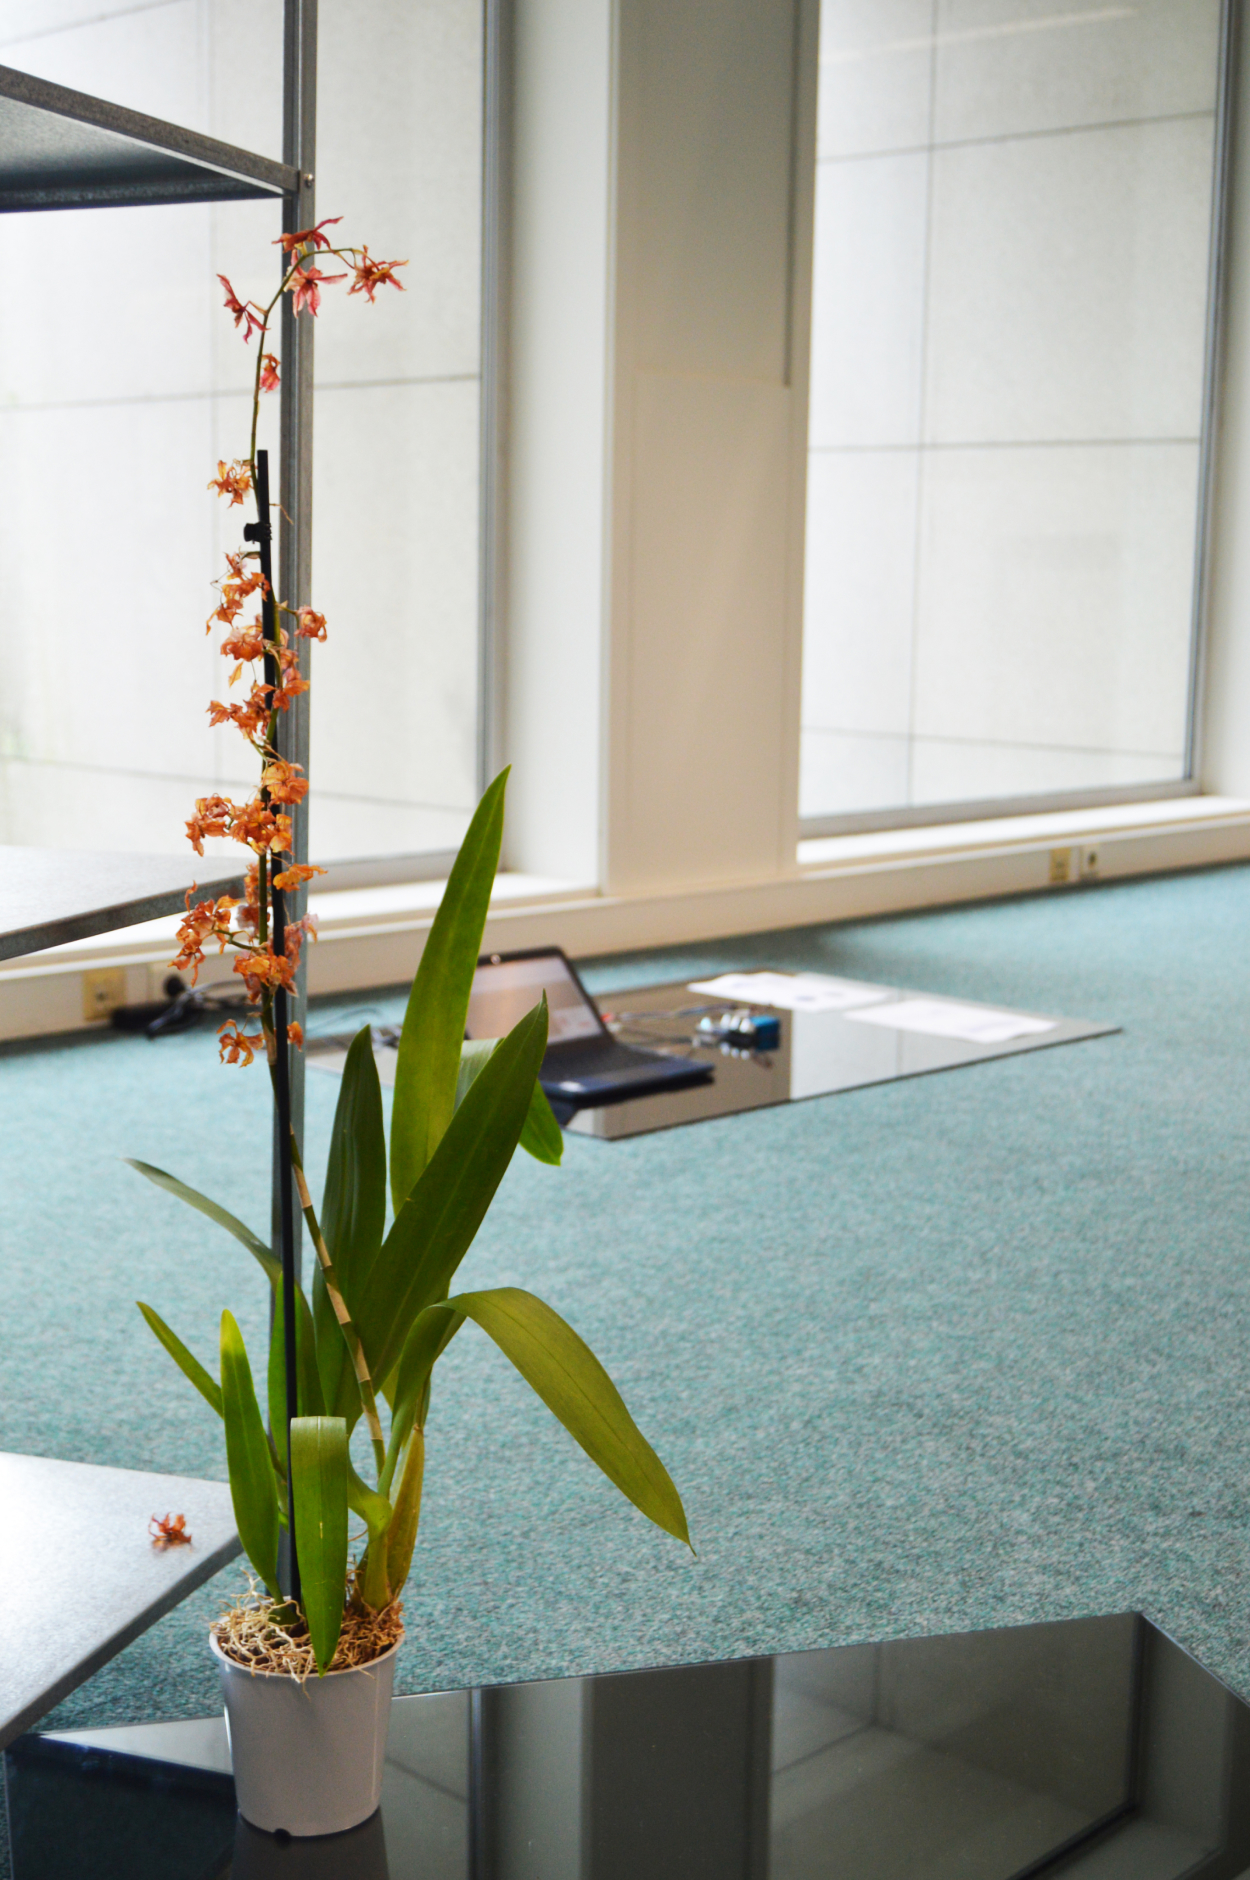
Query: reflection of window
point(1013, 231)
point(122, 382)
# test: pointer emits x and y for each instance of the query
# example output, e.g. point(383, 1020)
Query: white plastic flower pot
point(308, 1753)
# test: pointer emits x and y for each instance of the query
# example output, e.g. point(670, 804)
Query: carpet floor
point(962, 1351)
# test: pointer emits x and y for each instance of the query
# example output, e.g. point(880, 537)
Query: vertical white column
point(661, 241)
point(553, 558)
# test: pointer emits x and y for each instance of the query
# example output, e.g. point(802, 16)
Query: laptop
point(585, 1065)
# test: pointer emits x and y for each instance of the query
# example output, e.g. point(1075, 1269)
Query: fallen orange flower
point(169, 1531)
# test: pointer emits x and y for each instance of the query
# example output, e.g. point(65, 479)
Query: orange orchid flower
point(264, 970)
point(269, 372)
point(238, 1047)
point(280, 779)
point(312, 625)
point(305, 282)
point(212, 817)
point(296, 875)
point(232, 480)
point(311, 236)
point(368, 275)
point(242, 310)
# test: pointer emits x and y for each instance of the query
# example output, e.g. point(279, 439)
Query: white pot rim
point(287, 1677)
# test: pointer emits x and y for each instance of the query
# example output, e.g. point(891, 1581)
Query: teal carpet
point(963, 1351)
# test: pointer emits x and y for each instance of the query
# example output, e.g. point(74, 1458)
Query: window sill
point(372, 937)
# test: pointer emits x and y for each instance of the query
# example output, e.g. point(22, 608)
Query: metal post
point(299, 124)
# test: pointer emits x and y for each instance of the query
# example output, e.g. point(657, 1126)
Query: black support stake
point(261, 532)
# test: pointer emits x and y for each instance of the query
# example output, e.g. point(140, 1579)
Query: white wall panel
point(869, 282)
point(1054, 595)
point(860, 589)
point(1068, 284)
point(1006, 68)
point(875, 76)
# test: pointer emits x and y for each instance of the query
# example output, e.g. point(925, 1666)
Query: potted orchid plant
point(307, 1658)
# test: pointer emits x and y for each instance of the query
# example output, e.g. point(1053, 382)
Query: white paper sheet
point(792, 992)
point(942, 1018)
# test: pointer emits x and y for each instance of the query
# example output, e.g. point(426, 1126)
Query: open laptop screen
point(505, 990)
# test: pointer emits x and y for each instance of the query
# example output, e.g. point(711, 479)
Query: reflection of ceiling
point(62, 150)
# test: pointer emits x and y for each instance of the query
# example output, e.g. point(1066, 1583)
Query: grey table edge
point(212, 1562)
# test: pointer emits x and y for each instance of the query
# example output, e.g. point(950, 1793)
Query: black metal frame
point(65, 150)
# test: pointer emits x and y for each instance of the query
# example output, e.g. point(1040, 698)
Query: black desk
point(1093, 1747)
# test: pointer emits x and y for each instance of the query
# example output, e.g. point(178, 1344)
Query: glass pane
point(1013, 227)
point(122, 381)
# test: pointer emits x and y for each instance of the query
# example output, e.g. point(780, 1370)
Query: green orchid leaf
point(434, 1229)
point(190, 1366)
point(542, 1136)
point(377, 1514)
point(429, 1338)
point(340, 1392)
point(319, 1481)
point(353, 1208)
point(402, 1538)
point(252, 1486)
point(429, 1047)
point(566, 1374)
point(311, 1400)
point(201, 1203)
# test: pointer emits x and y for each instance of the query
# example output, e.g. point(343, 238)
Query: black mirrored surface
point(819, 1052)
point(1093, 1747)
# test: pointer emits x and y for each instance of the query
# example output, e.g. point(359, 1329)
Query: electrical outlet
point(1060, 866)
point(1091, 863)
point(103, 990)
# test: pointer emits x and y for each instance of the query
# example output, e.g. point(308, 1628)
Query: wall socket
point(103, 990)
point(1061, 869)
point(1091, 862)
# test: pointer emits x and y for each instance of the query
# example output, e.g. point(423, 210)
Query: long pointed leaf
point(434, 1229)
point(201, 1203)
point(377, 1514)
point(426, 1342)
point(353, 1208)
point(429, 1045)
point(188, 1364)
point(339, 1390)
point(252, 1486)
point(566, 1374)
point(319, 1478)
point(542, 1136)
point(402, 1537)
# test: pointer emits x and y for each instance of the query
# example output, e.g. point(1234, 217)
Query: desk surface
point(80, 1575)
point(1092, 1746)
point(51, 896)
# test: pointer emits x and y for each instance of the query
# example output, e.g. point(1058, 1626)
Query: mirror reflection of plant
point(382, 1312)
